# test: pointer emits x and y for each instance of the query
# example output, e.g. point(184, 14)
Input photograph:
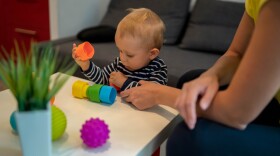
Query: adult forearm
point(223, 111)
point(224, 68)
point(167, 95)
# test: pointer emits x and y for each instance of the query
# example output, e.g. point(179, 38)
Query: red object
point(157, 152)
point(117, 88)
point(24, 21)
point(85, 51)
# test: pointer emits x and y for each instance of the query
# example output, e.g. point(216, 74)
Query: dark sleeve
point(129, 83)
point(98, 75)
point(159, 75)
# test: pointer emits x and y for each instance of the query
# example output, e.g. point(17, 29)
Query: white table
point(133, 132)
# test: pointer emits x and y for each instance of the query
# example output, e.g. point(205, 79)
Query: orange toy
point(85, 51)
point(52, 100)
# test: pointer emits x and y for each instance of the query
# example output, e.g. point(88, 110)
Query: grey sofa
point(194, 39)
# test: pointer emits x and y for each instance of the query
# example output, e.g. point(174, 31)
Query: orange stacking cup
point(85, 51)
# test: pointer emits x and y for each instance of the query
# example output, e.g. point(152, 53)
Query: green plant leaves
point(27, 75)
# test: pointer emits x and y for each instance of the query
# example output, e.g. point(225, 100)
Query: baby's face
point(133, 55)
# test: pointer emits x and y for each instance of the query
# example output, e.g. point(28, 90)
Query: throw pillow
point(96, 34)
point(172, 12)
point(212, 25)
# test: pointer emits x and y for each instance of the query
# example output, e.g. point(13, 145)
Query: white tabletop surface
point(133, 132)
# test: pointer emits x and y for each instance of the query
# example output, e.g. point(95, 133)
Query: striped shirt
point(155, 71)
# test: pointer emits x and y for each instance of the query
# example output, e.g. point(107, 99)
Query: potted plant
point(28, 76)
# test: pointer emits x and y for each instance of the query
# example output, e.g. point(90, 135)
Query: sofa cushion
point(96, 34)
point(212, 25)
point(172, 12)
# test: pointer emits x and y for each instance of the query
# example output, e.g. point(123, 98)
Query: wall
point(68, 17)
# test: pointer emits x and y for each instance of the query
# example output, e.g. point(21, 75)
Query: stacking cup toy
point(107, 94)
point(85, 51)
point(79, 89)
point(117, 88)
point(95, 93)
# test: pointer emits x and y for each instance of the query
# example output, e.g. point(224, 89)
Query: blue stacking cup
point(107, 94)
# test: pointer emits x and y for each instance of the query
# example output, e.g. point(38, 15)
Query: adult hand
point(117, 78)
point(142, 97)
point(83, 64)
point(199, 91)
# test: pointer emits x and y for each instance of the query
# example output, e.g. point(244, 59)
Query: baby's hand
point(83, 64)
point(74, 56)
point(117, 78)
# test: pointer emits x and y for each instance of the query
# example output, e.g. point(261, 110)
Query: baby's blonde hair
point(144, 24)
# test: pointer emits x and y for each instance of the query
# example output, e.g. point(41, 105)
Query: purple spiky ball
point(94, 132)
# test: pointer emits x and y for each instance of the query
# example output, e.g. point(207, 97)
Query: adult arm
point(254, 83)
point(149, 94)
point(202, 90)
point(257, 78)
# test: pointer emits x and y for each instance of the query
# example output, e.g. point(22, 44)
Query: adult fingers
point(186, 104)
point(190, 109)
point(208, 96)
point(180, 107)
point(137, 102)
point(125, 93)
point(129, 98)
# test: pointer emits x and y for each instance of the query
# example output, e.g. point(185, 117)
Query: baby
point(139, 37)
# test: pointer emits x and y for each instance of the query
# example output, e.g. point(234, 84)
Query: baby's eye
point(130, 56)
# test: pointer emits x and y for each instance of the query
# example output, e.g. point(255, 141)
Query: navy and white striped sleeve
point(159, 74)
point(98, 75)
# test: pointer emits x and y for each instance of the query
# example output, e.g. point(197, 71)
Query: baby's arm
point(98, 75)
point(158, 75)
point(159, 72)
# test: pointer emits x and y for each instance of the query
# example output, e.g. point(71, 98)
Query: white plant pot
point(34, 128)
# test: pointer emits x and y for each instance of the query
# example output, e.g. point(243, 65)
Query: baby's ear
point(153, 53)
